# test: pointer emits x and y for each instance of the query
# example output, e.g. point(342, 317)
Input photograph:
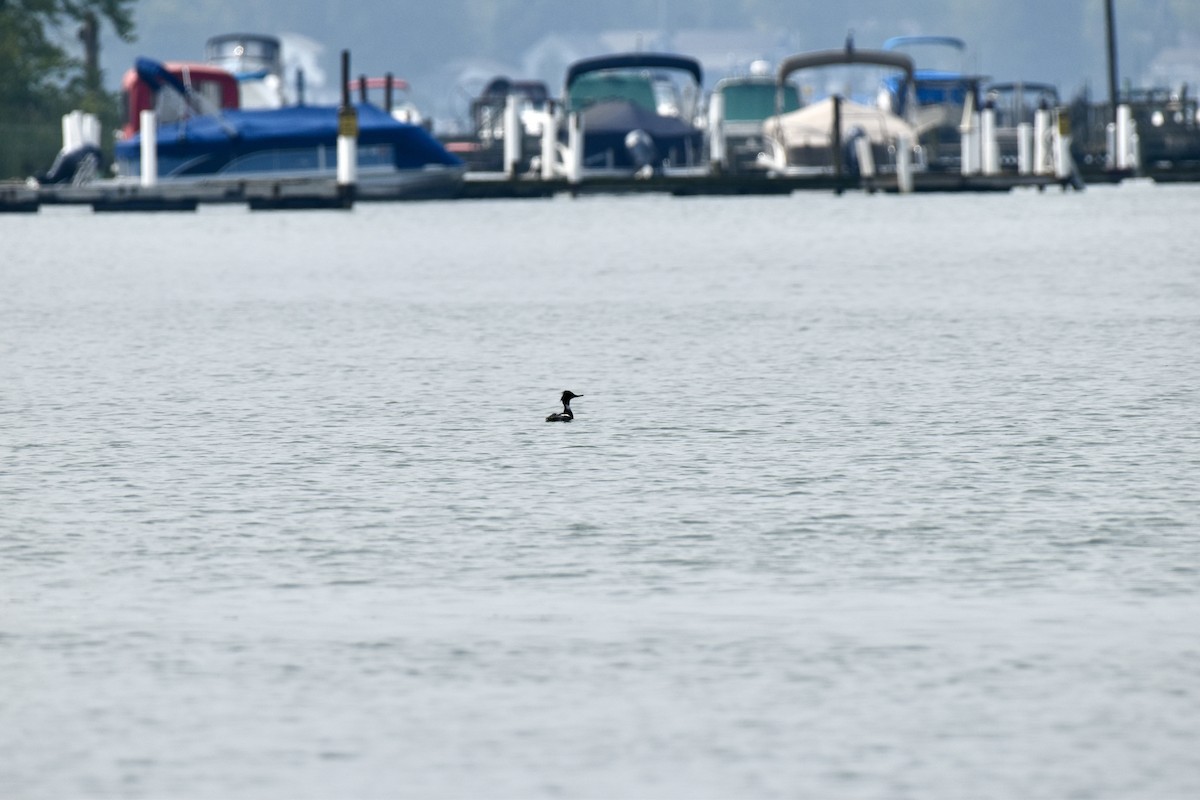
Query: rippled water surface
point(866, 497)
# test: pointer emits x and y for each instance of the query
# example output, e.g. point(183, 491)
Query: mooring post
point(904, 168)
point(1062, 149)
point(512, 134)
point(716, 132)
point(148, 120)
point(835, 139)
point(549, 141)
point(1024, 148)
point(1041, 140)
point(989, 152)
point(347, 141)
point(574, 148)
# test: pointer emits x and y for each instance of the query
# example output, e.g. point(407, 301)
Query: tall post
point(574, 165)
point(347, 141)
point(835, 142)
point(148, 121)
point(904, 170)
point(716, 132)
point(549, 141)
point(513, 135)
point(1111, 31)
point(389, 86)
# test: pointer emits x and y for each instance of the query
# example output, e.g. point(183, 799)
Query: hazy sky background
point(434, 42)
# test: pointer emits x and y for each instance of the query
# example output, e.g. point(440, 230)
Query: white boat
point(837, 134)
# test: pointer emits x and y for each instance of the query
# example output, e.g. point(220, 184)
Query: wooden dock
point(113, 196)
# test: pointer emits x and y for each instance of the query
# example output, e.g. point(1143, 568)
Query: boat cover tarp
point(812, 126)
point(294, 127)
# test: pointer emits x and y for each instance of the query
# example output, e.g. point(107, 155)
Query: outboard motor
point(642, 152)
point(76, 167)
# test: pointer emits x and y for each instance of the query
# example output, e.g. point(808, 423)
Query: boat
point(1167, 133)
point(638, 113)
point(737, 108)
point(1016, 104)
point(943, 98)
point(210, 88)
point(290, 144)
point(482, 147)
point(838, 135)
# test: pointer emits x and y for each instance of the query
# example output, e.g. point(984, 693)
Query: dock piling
point(512, 134)
point(148, 121)
point(347, 140)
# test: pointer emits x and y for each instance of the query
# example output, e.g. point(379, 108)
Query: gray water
point(866, 497)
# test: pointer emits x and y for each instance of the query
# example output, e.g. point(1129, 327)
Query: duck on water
point(566, 415)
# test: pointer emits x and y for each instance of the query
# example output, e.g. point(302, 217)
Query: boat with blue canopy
point(296, 143)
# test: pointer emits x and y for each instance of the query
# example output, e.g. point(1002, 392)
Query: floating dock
point(114, 196)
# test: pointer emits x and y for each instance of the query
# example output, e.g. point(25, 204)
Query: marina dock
point(112, 196)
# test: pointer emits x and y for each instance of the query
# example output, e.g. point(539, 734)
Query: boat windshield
point(752, 102)
point(597, 87)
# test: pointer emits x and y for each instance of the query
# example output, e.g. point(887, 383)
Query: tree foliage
point(39, 73)
point(49, 66)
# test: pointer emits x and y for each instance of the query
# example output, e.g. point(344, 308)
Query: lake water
point(866, 497)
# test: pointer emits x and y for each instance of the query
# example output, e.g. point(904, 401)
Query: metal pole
point(388, 88)
point(836, 142)
point(1111, 29)
point(347, 140)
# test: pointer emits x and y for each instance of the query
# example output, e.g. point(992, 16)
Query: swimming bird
point(567, 415)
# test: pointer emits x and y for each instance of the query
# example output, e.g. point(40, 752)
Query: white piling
point(549, 142)
point(866, 159)
point(1062, 146)
point(347, 140)
point(148, 120)
point(72, 131)
point(1041, 141)
point(904, 170)
point(717, 148)
point(574, 148)
point(90, 127)
point(1124, 134)
point(347, 147)
point(1024, 148)
point(512, 135)
point(989, 152)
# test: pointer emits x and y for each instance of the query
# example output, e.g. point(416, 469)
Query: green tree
point(42, 77)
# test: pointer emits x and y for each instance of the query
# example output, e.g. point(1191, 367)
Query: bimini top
point(907, 41)
point(634, 61)
point(849, 55)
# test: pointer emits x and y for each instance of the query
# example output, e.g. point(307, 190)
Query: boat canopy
point(634, 61)
point(849, 55)
point(911, 41)
point(812, 126)
point(216, 139)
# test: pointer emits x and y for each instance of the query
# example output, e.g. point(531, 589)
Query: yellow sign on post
point(348, 122)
